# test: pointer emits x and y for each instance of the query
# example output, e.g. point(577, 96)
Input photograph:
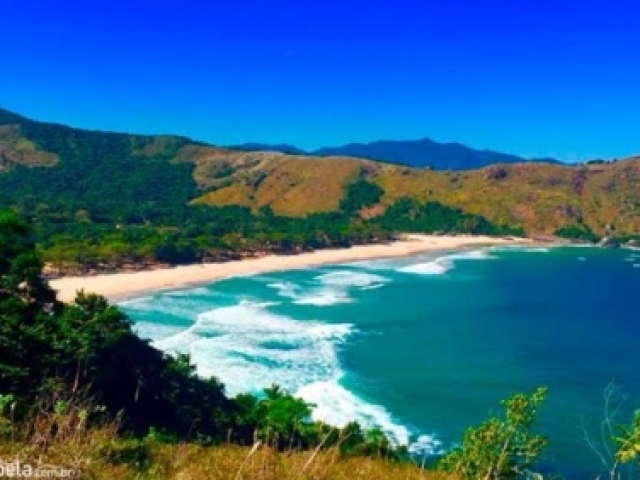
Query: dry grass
point(15, 149)
point(59, 434)
point(187, 462)
point(291, 185)
point(539, 197)
point(101, 456)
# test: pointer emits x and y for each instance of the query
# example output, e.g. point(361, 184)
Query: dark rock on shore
point(609, 242)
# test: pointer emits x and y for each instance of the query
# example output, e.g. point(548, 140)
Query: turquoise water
point(425, 346)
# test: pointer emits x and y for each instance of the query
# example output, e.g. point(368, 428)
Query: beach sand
point(118, 286)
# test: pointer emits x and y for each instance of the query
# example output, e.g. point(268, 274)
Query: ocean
point(425, 346)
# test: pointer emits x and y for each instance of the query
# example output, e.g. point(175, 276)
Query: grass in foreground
point(98, 453)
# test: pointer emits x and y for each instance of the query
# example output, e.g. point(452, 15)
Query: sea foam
point(328, 289)
point(521, 248)
point(436, 267)
point(442, 265)
point(337, 406)
point(248, 347)
point(348, 278)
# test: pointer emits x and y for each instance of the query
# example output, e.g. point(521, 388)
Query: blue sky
point(536, 78)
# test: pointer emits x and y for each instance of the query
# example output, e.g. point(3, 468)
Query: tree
point(21, 267)
point(628, 442)
point(90, 327)
point(28, 309)
point(614, 445)
point(500, 448)
point(283, 418)
point(360, 194)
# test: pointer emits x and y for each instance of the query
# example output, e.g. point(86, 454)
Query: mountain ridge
point(421, 153)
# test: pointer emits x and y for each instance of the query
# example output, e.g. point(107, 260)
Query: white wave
point(132, 302)
point(505, 248)
point(324, 298)
point(375, 286)
point(436, 267)
point(184, 306)
point(337, 406)
point(329, 288)
point(395, 264)
point(426, 445)
point(320, 297)
point(471, 255)
point(579, 245)
point(190, 292)
point(521, 248)
point(442, 265)
point(285, 289)
point(155, 331)
point(349, 278)
point(250, 348)
point(376, 264)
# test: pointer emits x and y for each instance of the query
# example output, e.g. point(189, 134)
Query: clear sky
point(530, 77)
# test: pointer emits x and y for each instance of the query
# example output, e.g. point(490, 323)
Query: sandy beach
point(118, 286)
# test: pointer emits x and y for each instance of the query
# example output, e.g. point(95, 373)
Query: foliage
point(27, 309)
point(577, 232)
point(628, 442)
point(360, 194)
point(408, 215)
point(201, 233)
point(500, 448)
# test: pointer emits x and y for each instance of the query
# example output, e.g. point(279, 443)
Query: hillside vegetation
point(538, 197)
point(102, 200)
point(51, 164)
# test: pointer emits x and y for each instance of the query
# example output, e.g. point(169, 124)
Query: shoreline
point(121, 286)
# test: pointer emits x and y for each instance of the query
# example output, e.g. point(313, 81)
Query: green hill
point(157, 198)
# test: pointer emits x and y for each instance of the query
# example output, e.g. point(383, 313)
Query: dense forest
point(200, 233)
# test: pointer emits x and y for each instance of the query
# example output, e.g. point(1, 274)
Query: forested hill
point(114, 195)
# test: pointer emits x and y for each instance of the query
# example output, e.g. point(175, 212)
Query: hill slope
point(45, 167)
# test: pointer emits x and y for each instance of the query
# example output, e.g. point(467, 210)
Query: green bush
point(502, 447)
